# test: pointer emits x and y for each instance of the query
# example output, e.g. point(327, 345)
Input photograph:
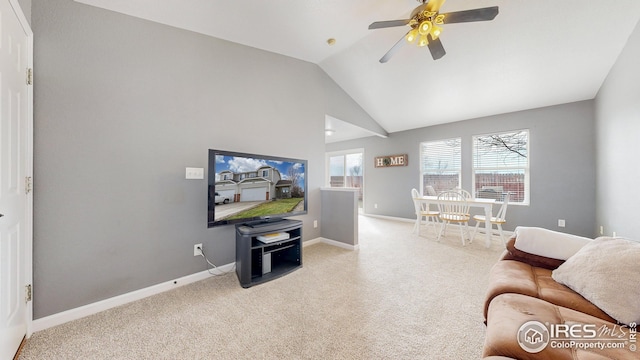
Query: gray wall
point(340, 215)
point(122, 106)
point(561, 162)
point(341, 106)
point(618, 132)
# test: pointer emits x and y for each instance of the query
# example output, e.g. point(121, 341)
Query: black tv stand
point(257, 261)
point(261, 223)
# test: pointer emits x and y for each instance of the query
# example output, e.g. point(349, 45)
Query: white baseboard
point(311, 242)
point(340, 244)
point(331, 242)
point(387, 217)
point(94, 308)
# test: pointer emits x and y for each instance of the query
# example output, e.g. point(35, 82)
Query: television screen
point(254, 189)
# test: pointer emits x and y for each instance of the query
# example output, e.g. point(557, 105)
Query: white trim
point(330, 242)
point(340, 244)
point(349, 189)
point(390, 218)
point(94, 308)
point(15, 4)
point(311, 242)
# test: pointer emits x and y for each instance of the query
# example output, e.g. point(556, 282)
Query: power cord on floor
point(213, 266)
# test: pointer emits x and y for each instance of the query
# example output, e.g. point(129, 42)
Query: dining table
point(486, 204)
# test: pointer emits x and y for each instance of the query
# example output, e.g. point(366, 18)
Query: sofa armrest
point(534, 260)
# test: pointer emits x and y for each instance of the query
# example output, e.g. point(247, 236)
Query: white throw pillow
point(549, 243)
point(606, 273)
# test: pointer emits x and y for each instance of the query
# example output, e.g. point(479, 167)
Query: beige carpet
point(399, 296)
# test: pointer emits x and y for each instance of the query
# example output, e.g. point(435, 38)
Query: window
point(345, 169)
point(501, 165)
point(440, 165)
point(265, 173)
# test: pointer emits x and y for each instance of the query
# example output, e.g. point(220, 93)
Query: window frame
point(527, 169)
point(344, 154)
point(421, 169)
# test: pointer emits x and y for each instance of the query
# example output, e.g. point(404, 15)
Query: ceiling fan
point(424, 22)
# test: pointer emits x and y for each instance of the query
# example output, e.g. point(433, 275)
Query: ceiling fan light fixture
point(424, 27)
point(428, 13)
point(423, 41)
point(435, 32)
point(412, 35)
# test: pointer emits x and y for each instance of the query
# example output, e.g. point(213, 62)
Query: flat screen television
point(254, 189)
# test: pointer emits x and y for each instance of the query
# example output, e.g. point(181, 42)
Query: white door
point(16, 168)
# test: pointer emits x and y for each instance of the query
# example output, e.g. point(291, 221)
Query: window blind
point(440, 163)
point(501, 165)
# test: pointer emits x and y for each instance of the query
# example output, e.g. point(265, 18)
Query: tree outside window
point(501, 166)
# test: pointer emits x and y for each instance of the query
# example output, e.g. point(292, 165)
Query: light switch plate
point(194, 173)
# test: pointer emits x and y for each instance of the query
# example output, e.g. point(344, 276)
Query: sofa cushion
point(509, 312)
point(605, 272)
point(511, 276)
point(512, 253)
point(548, 243)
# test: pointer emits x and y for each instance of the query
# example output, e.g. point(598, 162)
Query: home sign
point(392, 160)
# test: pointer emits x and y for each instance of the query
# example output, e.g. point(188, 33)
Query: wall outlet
point(315, 224)
point(375, 206)
point(601, 230)
point(614, 234)
point(197, 250)
point(561, 223)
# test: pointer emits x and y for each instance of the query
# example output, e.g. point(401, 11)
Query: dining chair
point(423, 212)
point(464, 193)
point(454, 209)
point(498, 220)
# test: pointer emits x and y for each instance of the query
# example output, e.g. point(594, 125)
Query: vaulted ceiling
point(533, 54)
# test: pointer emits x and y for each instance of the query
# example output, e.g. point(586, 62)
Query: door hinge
point(27, 184)
point(29, 76)
point(27, 293)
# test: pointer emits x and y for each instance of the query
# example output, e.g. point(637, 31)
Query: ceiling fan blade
point(434, 5)
point(386, 24)
point(482, 14)
point(393, 50)
point(436, 48)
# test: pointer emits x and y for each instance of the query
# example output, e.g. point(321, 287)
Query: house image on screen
point(265, 183)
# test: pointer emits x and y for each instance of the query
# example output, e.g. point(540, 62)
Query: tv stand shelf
point(258, 262)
